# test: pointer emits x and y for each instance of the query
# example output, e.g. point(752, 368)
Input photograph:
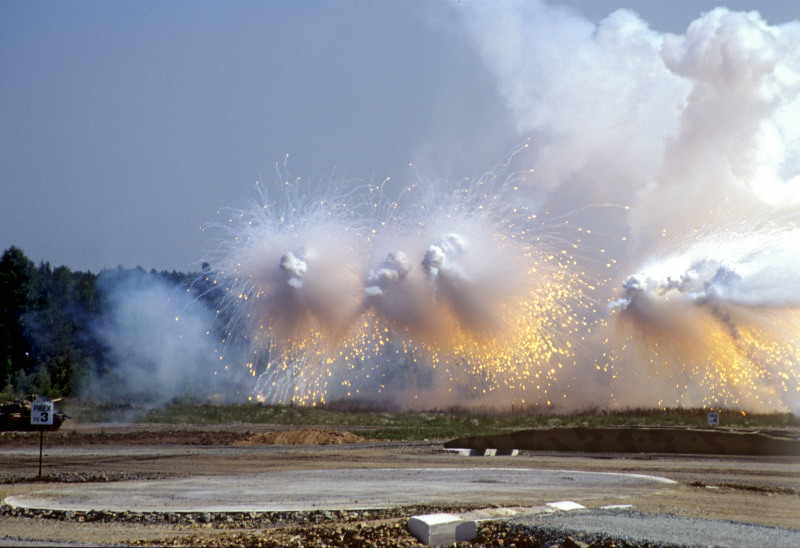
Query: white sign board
point(42, 412)
point(713, 419)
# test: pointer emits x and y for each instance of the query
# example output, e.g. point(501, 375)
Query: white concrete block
point(466, 530)
point(565, 505)
point(617, 507)
point(434, 529)
point(461, 452)
point(442, 529)
point(482, 452)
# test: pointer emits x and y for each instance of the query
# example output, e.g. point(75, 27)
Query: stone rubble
point(321, 529)
point(77, 477)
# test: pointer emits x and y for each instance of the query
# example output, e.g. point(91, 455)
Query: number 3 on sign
point(42, 412)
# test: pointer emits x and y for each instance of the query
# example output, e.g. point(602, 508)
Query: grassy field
point(413, 425)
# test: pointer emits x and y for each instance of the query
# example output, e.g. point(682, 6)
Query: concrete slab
point(305, 490)
point(466, 531)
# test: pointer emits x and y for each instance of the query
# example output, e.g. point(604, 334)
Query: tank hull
point(15, 416)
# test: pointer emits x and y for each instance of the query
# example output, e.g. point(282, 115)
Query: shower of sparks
point(467, 293)
point(716, 323)
point(448, 293)
point(454, 296)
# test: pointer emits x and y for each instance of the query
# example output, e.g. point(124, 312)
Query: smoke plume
point(639, 249)
point(161, 341)
point(698, 136)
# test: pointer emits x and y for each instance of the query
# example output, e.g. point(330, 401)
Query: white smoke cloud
point(676, 127)
point(760, 269)
point(298, 266)
point(436, 256)
point(585, 93)
point(295, 268)
point(394, 269)
point(698, 135)
point(343, 292)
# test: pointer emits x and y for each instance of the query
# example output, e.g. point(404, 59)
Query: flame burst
point(451, 295)
point(716, 324)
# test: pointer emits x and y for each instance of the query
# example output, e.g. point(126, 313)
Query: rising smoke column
point(699, 135)
point(448, 294)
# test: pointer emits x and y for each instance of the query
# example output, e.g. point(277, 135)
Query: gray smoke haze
point(160, 339)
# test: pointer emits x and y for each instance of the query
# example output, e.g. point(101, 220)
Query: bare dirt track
point(758, 490)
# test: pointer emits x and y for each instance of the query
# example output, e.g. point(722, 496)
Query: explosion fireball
point(450, 294)
point(719, 321)
point(643, 251)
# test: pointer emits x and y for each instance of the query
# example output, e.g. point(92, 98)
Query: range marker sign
point(42, 413)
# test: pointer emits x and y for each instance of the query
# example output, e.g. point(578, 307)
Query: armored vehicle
point(15, 415)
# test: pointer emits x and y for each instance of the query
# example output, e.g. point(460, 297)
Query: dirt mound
point(310, 436)
point(302, 437)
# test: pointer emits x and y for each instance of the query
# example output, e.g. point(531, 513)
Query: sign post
point(41, 416)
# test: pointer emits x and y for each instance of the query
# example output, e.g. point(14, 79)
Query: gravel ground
point(638, 529)
point(734, 491)
point(387, 529)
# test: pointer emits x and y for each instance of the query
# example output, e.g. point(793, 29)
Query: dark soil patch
point(183, 437)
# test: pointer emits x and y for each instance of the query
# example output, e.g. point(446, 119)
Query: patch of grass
point(452, 422)
point(87, 411)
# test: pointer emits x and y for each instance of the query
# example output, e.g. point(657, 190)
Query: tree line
point(47, 342)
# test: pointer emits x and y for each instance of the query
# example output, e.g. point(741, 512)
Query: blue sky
point(126, 126)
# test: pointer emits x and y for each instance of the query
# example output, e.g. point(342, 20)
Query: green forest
point(49, 318)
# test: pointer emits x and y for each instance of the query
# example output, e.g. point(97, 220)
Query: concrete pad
point(338, 489)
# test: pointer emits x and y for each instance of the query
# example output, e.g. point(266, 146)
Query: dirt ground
point(309, 436)
point(759, 490)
